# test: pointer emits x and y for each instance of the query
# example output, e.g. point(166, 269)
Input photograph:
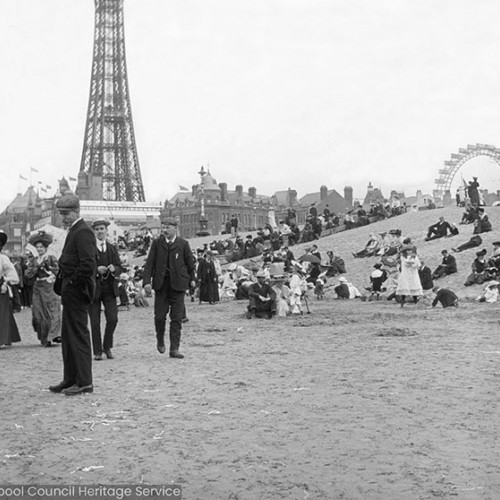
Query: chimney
point(370, 187)
point(193, 190)
point(323, 192)
point(348, 195)
point(292, 196)
point(239, 190)
point(223, 191)
point(252, 192)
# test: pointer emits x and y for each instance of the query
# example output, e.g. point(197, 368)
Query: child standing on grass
point(377, 278)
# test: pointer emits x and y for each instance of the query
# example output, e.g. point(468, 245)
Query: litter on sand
point(88, 469)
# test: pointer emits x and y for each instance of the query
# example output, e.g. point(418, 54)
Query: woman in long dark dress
point(46, 305)
point(208, 279)
point(8, 328)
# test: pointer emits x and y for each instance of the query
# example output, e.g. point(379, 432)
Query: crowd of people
point(273, 281)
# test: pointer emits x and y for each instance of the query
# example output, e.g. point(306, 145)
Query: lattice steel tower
point(110, 167)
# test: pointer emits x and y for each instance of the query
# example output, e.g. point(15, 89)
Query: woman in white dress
point(409, 280)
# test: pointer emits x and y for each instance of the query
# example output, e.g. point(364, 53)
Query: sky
point(266, 93)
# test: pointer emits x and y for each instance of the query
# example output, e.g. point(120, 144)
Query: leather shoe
point(108, 353)
point(60, 387)
point(78, 389)
point(161, 347)
point(176, 354)
point(98, 357)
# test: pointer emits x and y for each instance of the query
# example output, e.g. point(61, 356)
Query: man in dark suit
point(170, 267)
point(439, 230)
point(262, 298)
point(445, 296)
point(75, 284)
point(108, 270)
point(425, 275)
point(448, 266)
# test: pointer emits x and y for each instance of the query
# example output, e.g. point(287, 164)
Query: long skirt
point(8, 327)
point(209, 291)
point(46, 309)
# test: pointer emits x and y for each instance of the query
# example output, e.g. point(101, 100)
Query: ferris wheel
point(456, 161)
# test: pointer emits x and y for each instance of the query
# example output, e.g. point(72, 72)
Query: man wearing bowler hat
point(108, 270)
point(75, 283)
point(170, 268)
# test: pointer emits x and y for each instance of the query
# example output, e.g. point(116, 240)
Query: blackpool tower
point(109, 167)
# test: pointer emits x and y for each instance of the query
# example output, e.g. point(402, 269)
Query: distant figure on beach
point(8, 276)
point(262, 298)
point(475, 241)
point(446, 297)
point(479, 270)
point(473, 191)
point(439, 230)
point(482, 224)
point(409, 280)
point(448, 266)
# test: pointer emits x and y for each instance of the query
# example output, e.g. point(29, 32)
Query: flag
point(34, 170)
point(71, 178)
point(183, 188)
point(22, 177)
point(48, 187)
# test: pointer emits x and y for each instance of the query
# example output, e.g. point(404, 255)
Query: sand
point(357, 400)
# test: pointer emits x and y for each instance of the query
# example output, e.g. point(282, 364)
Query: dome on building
point(210, 184)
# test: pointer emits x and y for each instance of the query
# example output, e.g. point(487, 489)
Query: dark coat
point(180, 264)
point(446, 297)
point(77, 263)
point(209, 286)
point(451, 264)
point(425, 274)
point(441, 229)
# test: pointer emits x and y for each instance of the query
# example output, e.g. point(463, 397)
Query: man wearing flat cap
point(75, 284)
point(170, 267)
point(108, 271)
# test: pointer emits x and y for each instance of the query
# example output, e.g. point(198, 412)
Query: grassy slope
point(413, 225)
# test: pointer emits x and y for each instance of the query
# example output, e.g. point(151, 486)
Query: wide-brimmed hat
point(3, 238)
point(261, 274)
point(67, 203)
point(100, 222)
point(496, 243)
point(377, 265)
point(41, 237)
point(342, 279)
point(482, 252)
